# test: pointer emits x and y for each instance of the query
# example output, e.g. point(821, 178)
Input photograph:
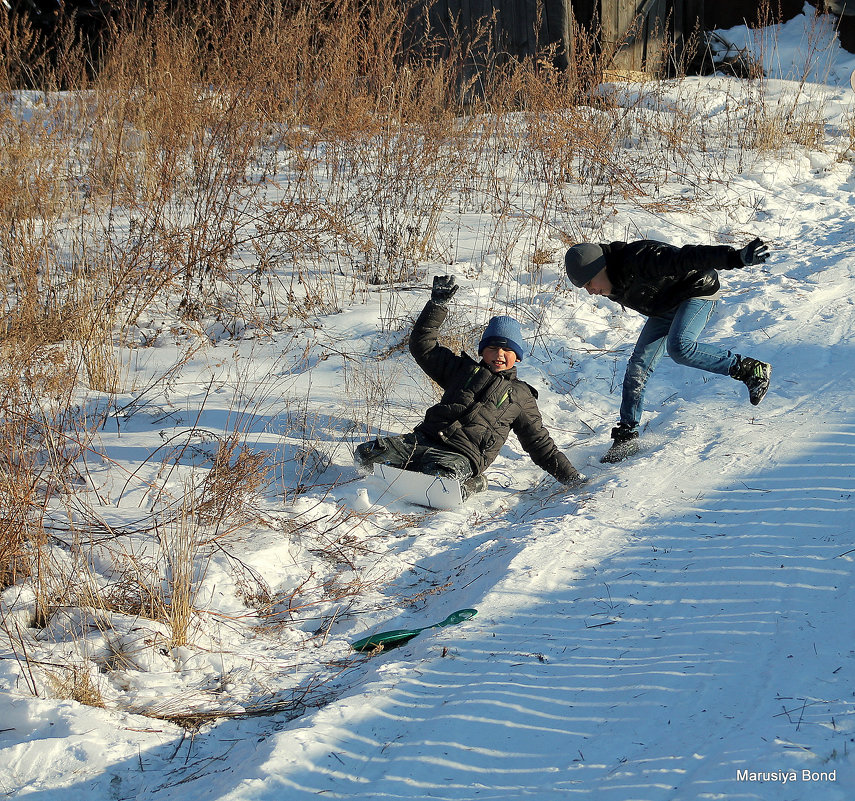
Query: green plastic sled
point(389, 639)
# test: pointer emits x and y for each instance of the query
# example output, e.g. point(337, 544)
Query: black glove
point(755, 252)
point(443, 289)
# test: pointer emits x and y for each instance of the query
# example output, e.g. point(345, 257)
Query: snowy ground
point(677, 629)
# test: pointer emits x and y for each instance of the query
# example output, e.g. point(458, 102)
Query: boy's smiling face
point(498, 359)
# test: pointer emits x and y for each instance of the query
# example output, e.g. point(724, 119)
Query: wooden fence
point(631, 34)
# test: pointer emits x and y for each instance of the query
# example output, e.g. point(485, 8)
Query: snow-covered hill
point(679, 628)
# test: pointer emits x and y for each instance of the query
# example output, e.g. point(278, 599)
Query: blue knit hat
point(502, 332)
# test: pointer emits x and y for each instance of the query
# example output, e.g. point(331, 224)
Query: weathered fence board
point(640, 36)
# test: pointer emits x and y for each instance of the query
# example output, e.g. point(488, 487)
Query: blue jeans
point(678, 331)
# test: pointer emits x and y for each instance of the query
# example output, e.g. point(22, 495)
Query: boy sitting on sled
point(481, 404)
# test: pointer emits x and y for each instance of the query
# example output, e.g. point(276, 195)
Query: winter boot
point(625, 444)
point(754, 374)
point(472, 485)
point(367, 455)
point(575, 480)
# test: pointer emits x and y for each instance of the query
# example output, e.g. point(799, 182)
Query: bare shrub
point(35, 454)
point(180, 541)
point(235, 478)
point(75, 682)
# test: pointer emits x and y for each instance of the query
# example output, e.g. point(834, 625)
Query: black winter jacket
point(504, 404)
point(653, 277)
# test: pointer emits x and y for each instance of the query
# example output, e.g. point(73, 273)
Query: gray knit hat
point(582, 262)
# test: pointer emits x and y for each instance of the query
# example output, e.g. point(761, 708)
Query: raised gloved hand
point(755, 252)
point(443, 289)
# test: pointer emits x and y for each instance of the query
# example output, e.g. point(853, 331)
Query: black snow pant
point(415, 452)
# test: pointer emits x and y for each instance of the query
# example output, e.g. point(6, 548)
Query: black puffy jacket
point(653, 277)
point(480, 408)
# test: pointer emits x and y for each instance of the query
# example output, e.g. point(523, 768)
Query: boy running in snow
point(481, 404)
point(676, 289)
